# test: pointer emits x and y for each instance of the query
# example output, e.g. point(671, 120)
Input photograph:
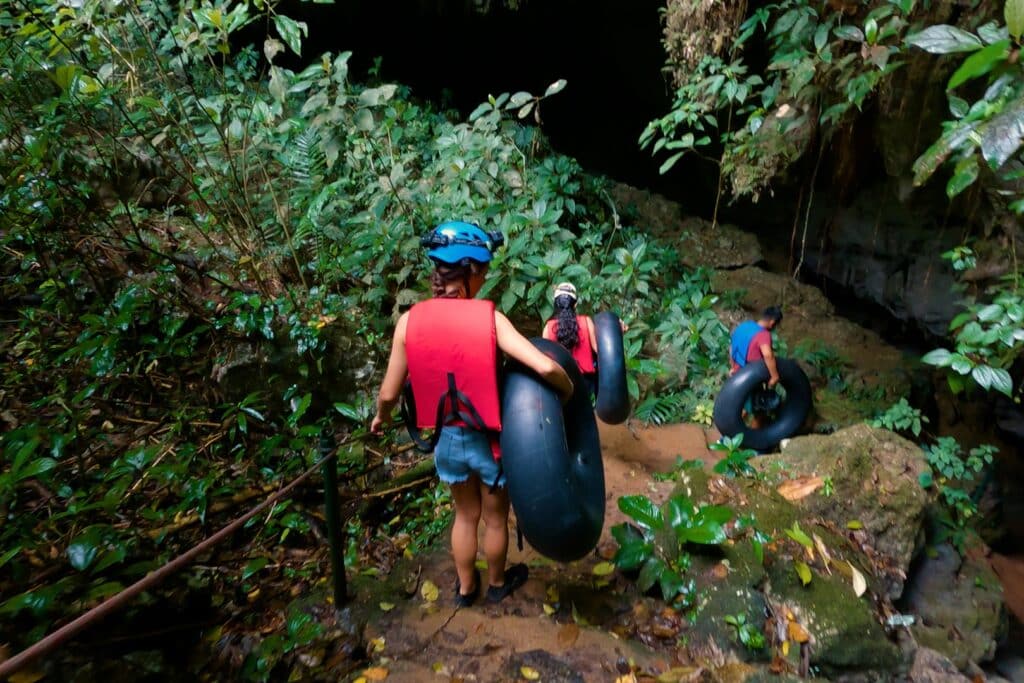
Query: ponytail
point(568, 327)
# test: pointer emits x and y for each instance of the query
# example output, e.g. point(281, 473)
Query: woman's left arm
point(394, 378)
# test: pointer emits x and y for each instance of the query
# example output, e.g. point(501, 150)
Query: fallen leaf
point(548, 609)
point(860, 584)
point(480, 564)
point(529, 673)
point(375, 645)
point(823, 551)
point(803, 571)
point(429, 591)
point(361, 679)
point(679, 673)
point(568, 634)
point(386, 606)
point(577, 617)
point(603, 568)
point(785, 648)
point(720, 571)
point(441, 669)
point(26, 676)
point(801, 487)
point(626, 678)
point(375, 673)
point(797, 633)
point(552, 594)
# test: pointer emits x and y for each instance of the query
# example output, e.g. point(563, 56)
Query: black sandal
point(515, 576)
point(469, 598)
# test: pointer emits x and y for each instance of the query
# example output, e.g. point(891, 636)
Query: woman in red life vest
point(447, 347)
point(574, 332)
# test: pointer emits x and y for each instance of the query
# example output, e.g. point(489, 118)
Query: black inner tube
point(612, 393)
point(790, 416)
point(552, 460)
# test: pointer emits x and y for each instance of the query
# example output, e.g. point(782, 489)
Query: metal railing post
point(335, 531)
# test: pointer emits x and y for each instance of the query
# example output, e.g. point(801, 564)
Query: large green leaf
point(934, 156)
point(670, 583)
point(291, 31)
point(964, 175)
point(642, 510)
point(980, 63)
point(1002, 135)
point(632, 555)
point(678, 511)
point(943, 39)
point(707, 532)
point(939, 357)
point(1014, 13)
point(650, 574)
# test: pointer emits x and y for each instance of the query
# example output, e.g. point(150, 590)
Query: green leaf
point(707, 533)
point(291, 31)
point(964, 175)
point(803, 571)
point(798, 535)
point(254, 566)
point(670, 162)
point(632, 554)
point(1001, 136)
point(1013, 11)
point(758, 550)
point(6, 557)
point(854, 524)
point(821, 37)
point(980, 63)
point(519, 99)
point(870, 31)
point(679, 511)
point(83, 551)
point(348, 411)
point(943, 39)
point(36, 467)
point(555, 87)
point(925, 479)
point(849, 33)
point(990, 313)
point(670, 583)
point(720, 514)
point(938, 357)
point(650, 574)
point(642, 510)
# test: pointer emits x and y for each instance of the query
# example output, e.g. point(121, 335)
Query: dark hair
point(445, 274)
point(772, 313)
point(568, 328)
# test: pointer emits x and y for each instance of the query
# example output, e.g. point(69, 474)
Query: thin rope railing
point(73, 628)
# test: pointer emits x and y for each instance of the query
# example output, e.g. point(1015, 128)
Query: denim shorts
point(462, 451)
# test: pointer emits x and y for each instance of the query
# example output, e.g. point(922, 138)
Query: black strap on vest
point(448, 409)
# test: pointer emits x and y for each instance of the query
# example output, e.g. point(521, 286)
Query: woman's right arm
point(519, 347)
point(549, 331)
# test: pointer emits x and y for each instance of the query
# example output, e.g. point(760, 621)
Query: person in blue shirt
point(750, 342)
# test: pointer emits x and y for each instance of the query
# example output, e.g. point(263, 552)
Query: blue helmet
point(456, 241)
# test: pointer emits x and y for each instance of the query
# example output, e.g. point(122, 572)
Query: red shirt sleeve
point(754, 350)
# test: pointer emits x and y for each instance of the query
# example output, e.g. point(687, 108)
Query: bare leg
point(466, 496)
point(495, 512)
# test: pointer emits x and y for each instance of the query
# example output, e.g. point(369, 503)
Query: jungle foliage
point(828, 63)
point(177, 204)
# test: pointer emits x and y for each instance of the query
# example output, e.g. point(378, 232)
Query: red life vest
point(451, 344)
point(582, 353)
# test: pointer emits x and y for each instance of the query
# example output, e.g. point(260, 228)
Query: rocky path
point(562, 624)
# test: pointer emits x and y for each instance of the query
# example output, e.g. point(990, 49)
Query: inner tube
point(728, 413)
point(612, 394)
point(551, 456)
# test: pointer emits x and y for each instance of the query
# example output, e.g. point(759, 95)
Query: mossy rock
point(732, 581)
point(874, 475)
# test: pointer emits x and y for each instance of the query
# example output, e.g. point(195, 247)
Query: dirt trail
point(490, 642)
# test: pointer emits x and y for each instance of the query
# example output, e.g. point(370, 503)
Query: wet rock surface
point(874, 475)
